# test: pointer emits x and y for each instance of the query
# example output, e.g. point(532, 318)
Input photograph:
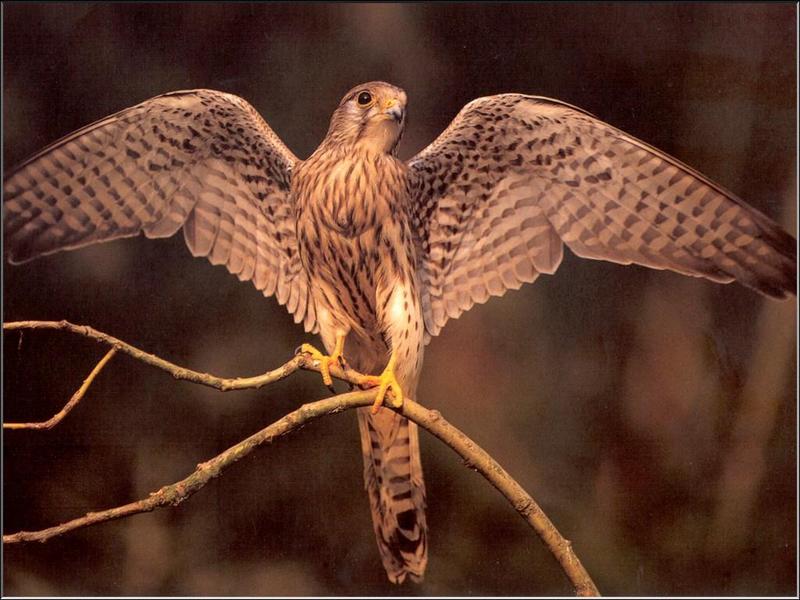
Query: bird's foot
point(325, 360)
point(386, 381)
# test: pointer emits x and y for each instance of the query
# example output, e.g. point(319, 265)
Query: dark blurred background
point(652, 415)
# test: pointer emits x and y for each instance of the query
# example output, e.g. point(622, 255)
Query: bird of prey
point(376, 254)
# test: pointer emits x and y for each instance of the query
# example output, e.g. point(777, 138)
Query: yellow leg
point(386, 381)
point(325, 360)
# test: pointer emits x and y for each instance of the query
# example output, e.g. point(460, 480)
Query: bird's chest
point(351, 213)
point(347, 196)
point(353, 232)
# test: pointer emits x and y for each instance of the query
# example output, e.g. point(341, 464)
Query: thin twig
point(72, 403)
point(432, 421)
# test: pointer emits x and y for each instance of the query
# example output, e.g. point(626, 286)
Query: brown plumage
point(354, 216)
point(364, 248)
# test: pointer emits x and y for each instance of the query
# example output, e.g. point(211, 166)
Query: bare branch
point(176, 493)
point(72, 403)
point(300, 361)
point(220, 383)
point(432, 421)
point(477, 458)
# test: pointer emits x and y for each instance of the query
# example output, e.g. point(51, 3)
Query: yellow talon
point(325, 360)
point(386, 381)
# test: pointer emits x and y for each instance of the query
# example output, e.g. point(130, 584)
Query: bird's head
point(371, 117)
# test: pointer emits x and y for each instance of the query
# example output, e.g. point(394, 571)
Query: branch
point(474, 456)
point(300, 361)
point(220, 383)
point(176, 493)
point(73, 402)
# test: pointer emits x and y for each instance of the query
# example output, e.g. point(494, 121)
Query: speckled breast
point(353, 233)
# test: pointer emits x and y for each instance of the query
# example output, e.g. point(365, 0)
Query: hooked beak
point(393, 109)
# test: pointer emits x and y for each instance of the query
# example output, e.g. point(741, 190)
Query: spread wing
point(200, 160)
point(515, 177)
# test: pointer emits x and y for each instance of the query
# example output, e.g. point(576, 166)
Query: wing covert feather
point(200, 160)
point(515, 177)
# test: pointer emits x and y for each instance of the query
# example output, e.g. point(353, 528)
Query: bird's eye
point(364, 99)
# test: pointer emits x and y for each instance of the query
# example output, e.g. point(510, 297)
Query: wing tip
point(782, 289)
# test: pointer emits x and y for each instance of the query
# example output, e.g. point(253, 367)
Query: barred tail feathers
point(393, 479)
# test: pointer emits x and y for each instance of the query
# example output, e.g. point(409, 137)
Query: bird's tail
point(393, 479)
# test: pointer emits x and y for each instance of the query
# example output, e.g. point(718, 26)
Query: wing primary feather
point(200, 160)
point(605, 193)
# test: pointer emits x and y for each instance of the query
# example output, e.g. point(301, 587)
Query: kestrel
point(376, 254)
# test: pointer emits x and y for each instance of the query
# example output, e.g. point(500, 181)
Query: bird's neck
point(334, 156)
point(380, 141)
